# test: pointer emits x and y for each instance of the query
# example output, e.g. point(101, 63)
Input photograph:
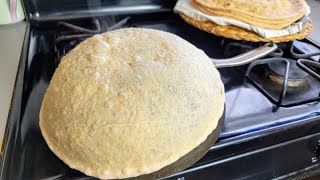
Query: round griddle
point(189, 159)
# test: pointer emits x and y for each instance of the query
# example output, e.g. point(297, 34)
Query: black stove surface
point(253, 121)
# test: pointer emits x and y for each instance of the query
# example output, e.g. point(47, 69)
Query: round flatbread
point(129, 102)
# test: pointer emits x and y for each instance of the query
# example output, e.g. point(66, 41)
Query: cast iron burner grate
point(70, 35)
point(308, 66)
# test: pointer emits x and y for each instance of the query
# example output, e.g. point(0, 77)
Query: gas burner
point(297, 78)
point(285, 84)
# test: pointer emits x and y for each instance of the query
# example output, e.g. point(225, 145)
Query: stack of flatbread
point(251, 20)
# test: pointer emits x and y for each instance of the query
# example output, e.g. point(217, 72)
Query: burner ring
point(276, 70)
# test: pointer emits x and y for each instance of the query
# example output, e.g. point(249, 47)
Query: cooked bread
point(237, 33)
point(129, 102)
point(271, 14)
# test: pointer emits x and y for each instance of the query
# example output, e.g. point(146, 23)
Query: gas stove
point(272, 125)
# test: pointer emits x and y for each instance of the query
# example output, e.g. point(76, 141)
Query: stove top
point(267, 102)
point(253, 94)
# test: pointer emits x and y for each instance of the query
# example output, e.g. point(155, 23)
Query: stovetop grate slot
point(285, 82)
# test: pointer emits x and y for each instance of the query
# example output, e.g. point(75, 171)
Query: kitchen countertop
point(11, 40)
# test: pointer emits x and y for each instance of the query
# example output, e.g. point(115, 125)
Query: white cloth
point(185, 7)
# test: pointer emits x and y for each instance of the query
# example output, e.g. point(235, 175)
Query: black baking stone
point(189, 159)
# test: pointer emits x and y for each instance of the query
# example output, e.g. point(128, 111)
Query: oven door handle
point(247, 57)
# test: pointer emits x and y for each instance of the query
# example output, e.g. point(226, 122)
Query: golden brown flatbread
point(237, 33)
point(271, 14)
point(129, 102)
